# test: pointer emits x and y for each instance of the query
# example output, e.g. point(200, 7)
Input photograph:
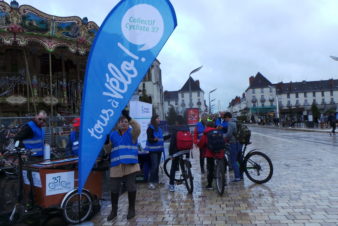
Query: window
point(296, 95)
point(270, 89)
point(182, 95)
point(262, 104)
point(262, 90)
point(322, 93)
point(305, 94)
point(331, 93)
point(198, 93)
point(253, 91)
point(289, 103)
point(332, 101)
point(176, 102)
point(314, 94)
point(288, 95)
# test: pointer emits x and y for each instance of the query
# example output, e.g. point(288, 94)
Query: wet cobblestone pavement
point(302, 191)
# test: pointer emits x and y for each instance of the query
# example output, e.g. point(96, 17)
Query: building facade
point(291, 101)
point(189, 96)
point(152, 89)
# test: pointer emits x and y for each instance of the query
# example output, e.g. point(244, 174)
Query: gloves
point(125, 113)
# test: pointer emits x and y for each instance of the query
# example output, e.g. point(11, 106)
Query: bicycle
point(220, 172)
point(184, 165)
point(256, 165)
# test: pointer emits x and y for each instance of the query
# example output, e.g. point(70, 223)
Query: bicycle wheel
point(77, 208)
point(258, 167)
point(220, 176)
point(186, 175)
point(167, 167)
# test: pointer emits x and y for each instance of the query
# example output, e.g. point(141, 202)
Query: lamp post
point(336, 59)
point(211, 91)
point(190, 93)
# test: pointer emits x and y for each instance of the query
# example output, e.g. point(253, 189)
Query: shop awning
point(262, 109)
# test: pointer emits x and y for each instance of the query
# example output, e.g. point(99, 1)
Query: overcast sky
point(285, 40)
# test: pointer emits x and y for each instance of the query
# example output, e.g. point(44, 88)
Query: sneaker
point(209, 187)
point(171, 187)
point(151, 186)
point(236, 180)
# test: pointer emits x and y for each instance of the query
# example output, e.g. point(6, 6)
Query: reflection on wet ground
point(303, 190)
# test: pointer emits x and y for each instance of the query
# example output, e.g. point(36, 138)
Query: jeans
point(235, 152)
point(144, 161)
point(173, 169)
point(155, 158)
point(211, 169)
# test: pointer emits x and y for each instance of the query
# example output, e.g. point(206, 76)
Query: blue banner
point(126, 45)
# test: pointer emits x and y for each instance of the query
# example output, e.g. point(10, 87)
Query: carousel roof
point(23, 24)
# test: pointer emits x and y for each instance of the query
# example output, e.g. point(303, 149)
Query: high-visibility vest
point(74, 139)
point(200, 129)
point(35, 144)
point(158, 146)
point(124, 151)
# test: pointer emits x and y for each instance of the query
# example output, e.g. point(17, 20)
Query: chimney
point(197, 82)
point(251, 79)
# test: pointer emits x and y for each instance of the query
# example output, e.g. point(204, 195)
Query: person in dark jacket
point(155, 146)
point(235, 147)
point(32, 135)
point(209, 154)
point(332, 120)
point(173, 148)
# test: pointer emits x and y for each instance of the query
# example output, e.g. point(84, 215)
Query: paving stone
point(302, 191)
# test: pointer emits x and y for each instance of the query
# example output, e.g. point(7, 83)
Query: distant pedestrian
point(332, 120)
point(198, 132)
point(124, 162)
point(155, 146)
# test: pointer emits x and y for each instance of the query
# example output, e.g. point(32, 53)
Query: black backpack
point(243, 133)
point(216, 141)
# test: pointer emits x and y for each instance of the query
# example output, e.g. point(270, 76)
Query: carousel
point(42, 60)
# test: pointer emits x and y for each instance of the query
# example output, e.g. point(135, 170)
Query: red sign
point(192, 116)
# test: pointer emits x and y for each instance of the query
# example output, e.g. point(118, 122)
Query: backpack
point(243, 133)
point(216, 141)
point(184, 140)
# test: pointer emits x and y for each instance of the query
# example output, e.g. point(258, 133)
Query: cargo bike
point(50, 186)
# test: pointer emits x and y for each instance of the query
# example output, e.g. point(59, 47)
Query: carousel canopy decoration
point(23, 24)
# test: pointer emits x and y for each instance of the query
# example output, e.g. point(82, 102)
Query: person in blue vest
point(124, 162)
point(73, 142)
point(32, 135)
point(198, 132)
point(221, 123)
point(155, 146)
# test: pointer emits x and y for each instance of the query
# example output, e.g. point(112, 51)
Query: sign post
point(124, 48)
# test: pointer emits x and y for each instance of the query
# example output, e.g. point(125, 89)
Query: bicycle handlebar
point(180, 153)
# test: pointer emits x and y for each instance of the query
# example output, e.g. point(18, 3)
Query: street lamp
point(190, 93)
point(336, 59)
point(211, 91)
